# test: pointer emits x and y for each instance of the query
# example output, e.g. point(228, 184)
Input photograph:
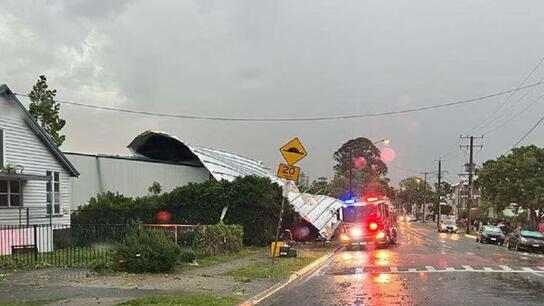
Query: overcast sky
point(284, 59)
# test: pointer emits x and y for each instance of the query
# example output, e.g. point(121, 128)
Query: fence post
point(27, 216)
point(35, 226)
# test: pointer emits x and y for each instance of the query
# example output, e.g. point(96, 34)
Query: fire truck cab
point(372, 221)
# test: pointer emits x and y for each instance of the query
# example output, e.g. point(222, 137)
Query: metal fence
point(57, 245)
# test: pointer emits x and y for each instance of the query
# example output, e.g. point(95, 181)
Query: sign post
point(292, 152)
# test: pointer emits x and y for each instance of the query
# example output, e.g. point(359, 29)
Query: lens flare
point(359, 162)
point(163, 216)
point(387, 154)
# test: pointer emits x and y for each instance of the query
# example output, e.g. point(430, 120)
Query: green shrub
point(254, 203)
point(186, 238)
point(147, 250)
point(187, 255)
point(101, 264)
point(217, 239)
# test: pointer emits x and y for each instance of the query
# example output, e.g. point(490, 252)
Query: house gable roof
point(42, 134)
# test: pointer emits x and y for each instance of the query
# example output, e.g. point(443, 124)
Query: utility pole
point(470, 169)
point(438, 192)
point(424, 193)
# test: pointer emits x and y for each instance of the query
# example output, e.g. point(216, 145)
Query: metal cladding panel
point(319, 210)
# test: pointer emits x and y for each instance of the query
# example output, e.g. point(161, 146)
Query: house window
point(10, 194)
point(53, 193)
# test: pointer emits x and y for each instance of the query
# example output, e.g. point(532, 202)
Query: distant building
point(460, 196)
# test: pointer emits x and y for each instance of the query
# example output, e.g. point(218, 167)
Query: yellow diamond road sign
point(293, 151)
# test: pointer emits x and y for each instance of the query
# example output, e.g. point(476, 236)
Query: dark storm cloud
point(280, 58)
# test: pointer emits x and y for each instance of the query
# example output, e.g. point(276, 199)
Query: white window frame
point(3, 145)
point(8, 193)
point(53, 205)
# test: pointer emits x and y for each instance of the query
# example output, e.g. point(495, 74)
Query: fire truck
point(368, 221)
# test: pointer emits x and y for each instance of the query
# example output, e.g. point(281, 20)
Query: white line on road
point(527, 269)
point(450, 269)
point(487, 269)
point(506, 268)
point(412, 270)
point(468, 268)
point(430, 268)
point(541, 268)
point(394, 269)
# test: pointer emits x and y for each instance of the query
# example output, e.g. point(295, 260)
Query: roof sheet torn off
point(319, 210)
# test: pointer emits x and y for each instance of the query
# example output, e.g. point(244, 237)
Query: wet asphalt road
point(425, 268)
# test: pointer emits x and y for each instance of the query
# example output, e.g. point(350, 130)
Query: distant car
point(525, 240)
point(490, 234)
point(447, 226)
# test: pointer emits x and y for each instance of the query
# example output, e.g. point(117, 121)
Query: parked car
point(490, 234)
point(447, 226)
point(521, 239)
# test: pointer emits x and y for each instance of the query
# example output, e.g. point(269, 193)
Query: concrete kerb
point(471, 236)
point(277, 287)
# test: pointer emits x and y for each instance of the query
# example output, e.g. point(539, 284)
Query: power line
point(485, 122)
point(515, 115)
point(528, 132)
point(402, 168)
point(324, 118)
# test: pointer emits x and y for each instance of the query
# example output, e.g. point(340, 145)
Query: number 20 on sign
point(287, 172)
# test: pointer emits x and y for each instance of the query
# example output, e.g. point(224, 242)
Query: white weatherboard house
point(35, 180)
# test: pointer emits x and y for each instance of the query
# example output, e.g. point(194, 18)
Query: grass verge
point(283, 267)
point(183, 300)
point(214, 260)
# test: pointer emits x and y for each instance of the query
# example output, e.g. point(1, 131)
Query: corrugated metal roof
point(319, 210)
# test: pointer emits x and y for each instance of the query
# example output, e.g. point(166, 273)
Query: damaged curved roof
point(222, 165)
point(319, 210)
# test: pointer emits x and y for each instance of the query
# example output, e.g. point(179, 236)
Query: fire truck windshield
point(356, 214)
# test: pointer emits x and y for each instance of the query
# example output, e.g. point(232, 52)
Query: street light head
point(386, 141)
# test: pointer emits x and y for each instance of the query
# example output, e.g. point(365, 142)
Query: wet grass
point(214, 260)
point(183, 300)
point(70, 257)
point(283, 266)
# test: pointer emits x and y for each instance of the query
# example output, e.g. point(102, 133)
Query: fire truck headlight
point(356, 232)
point(373, 226)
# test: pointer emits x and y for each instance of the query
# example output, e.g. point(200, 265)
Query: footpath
point(238, 280)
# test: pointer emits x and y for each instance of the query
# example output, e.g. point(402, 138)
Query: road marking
point(430, 268)
point(395, 270)
point(487, 269)
point(506, 268)
point(541, 268)
point(412, 270)
point(450, 269)
point(527, 269)
point(359, 271)
point(468, 268)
